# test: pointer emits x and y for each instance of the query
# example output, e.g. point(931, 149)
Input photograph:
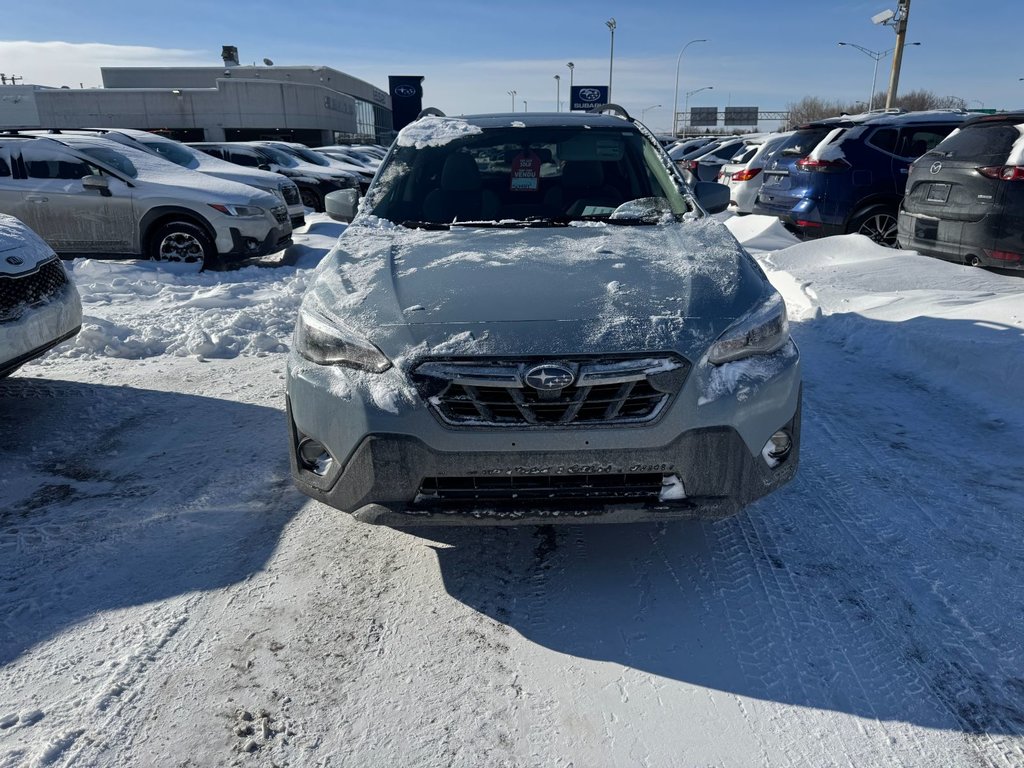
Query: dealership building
point(312, 105)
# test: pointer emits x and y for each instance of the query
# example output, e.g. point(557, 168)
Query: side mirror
point(341, 205)
point(100, 183)
point(263, 167)
point(712, 196)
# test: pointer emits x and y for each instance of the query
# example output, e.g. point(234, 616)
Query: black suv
point(965, 198)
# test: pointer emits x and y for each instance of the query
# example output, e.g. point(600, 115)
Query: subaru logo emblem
point(936, 167)
point(405, 91)
point(547, 378)
point(15, 261)
point(589, 94)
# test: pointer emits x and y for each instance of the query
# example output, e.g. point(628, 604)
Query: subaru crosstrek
point(847, 174)
point(532, 318)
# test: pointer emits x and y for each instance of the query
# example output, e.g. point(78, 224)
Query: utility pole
point(900, 25)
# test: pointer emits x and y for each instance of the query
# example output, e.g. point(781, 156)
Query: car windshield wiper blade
point(527, 223)
point(410, 224)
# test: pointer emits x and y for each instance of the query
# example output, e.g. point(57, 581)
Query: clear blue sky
point(762, 53)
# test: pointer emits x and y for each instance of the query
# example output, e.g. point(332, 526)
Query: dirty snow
point(167, 598)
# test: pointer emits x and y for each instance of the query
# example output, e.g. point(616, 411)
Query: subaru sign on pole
point(585, 97)
point(406, 99)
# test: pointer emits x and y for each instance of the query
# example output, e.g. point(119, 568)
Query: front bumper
point(40, 329)
point(248, 246)
point(381, 461)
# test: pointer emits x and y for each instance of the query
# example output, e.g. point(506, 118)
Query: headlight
point(326, 342)
point(237, 210)
point(760, 332)
point(275, 191)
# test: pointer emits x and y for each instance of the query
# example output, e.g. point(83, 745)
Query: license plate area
point(937, 193)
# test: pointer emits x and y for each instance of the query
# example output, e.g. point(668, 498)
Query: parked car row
point(86, 194)
point(129, 193)
point(312, 173)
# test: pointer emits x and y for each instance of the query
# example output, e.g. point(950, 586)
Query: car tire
point(311, 198)
point(880, 224)
point(182, 242)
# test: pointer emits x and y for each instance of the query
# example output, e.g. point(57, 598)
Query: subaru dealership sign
point(585, 97)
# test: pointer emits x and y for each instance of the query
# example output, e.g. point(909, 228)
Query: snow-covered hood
point(575, 289)
point(21, 249)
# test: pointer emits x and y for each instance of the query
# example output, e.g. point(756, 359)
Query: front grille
point(18, 292)
point(280, 213)
point(291, 194)
point(540, 490)
point(607, 392)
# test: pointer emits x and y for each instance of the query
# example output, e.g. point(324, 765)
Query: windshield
point(308, 155)
point(543, 173)
point(277, 156)
point(171, 151)
point(111, 158)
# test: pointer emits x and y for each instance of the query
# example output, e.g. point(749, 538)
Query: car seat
point(461, 196)
point(582, 185)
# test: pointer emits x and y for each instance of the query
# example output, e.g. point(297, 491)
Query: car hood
point(577, 289)
point(21, 249)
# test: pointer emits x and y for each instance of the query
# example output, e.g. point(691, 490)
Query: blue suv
point(847, 174)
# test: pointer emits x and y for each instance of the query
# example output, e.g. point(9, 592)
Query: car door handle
point(904, 171)
point(36, 198)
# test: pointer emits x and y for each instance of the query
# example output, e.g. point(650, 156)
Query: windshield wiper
point(410, 224)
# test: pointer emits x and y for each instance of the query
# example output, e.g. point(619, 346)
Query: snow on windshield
point(435, 132)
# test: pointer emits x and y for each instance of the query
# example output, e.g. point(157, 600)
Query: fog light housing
point(314, 457)
point(777, 449)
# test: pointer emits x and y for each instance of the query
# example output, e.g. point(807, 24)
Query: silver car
point(88, 195)
point(188, 157)
point(39, 305)
point(533, 319)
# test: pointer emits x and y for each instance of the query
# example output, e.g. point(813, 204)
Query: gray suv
point(531, 319)
point(88, 195)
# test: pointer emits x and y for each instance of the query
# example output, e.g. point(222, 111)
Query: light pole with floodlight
point(675, 101)
point(611, 56)
point(558, 93)
point(513, 95)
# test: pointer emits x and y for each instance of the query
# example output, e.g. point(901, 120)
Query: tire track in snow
point(881, 531)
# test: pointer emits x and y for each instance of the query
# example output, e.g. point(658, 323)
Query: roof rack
point(430, 112)
point(615, 109)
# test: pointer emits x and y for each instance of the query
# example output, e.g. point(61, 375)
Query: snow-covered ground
point(167, 598)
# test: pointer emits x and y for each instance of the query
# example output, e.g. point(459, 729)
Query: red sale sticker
point(526, 172)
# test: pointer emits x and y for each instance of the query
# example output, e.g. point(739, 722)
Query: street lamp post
point(571, 67)
point(877, 56)
point(643, 112)
point(558, 93)
point(526, 107)
point(611, 56)
point(686, 103)
point(513, 95)
point(675, 101)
